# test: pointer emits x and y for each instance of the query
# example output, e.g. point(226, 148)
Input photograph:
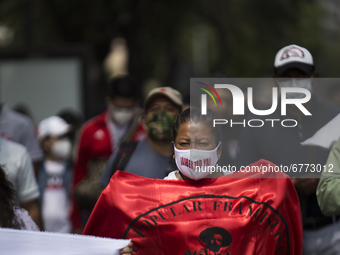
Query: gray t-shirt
point(144, 161)
point(19, 128)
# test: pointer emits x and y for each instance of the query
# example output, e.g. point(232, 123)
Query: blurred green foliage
point(239, 39)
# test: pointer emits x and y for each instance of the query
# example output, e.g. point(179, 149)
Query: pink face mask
point(196, 164)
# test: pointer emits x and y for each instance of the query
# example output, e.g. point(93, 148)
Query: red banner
point(251, 213)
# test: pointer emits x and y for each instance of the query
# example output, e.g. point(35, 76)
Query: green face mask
point(159, 125)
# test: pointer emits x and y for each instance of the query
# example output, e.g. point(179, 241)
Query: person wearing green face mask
point(158, 125)
point(151, 156)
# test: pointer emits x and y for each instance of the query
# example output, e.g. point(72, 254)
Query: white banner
point(23, 242)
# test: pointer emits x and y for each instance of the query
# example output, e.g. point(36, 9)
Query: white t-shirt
point(55, 204)
point(18, 167)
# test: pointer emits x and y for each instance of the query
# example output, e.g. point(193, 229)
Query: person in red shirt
point(101, 135)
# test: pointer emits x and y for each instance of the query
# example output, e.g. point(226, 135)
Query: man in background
point(98, 139)
point(294, 68)
point(152, 156)
point(55, 173)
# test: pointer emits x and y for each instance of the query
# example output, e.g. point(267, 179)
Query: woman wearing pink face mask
point(197, 146)
point(245, 213)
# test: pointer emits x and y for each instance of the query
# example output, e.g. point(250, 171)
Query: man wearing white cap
point(151, 156)
point(294, 67)
point(288, 146)
point(55, 174)
point(294, 58)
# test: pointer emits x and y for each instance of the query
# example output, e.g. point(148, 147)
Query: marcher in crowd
point(192, 131)
point(55, 174)
point(286, 146)
point(190, 213)
point(154, 153)
point(98, 139)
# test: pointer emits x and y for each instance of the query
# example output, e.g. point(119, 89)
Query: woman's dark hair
point(124, 86)
point(194, 115)
point(7, 196)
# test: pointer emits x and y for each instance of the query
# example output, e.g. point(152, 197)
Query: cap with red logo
point(172, 94)
point(293, 56)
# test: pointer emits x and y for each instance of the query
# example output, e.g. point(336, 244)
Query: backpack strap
point(124, 153)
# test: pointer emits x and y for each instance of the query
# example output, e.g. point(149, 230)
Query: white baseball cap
point(52, 126)
point(293, 56)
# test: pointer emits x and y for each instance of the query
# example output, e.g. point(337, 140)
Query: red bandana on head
point(247, 214)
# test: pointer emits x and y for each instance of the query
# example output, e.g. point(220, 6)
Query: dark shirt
point(282, 145)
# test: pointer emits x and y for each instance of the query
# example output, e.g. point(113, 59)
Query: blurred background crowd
point(96, 62)
point(73, 45)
